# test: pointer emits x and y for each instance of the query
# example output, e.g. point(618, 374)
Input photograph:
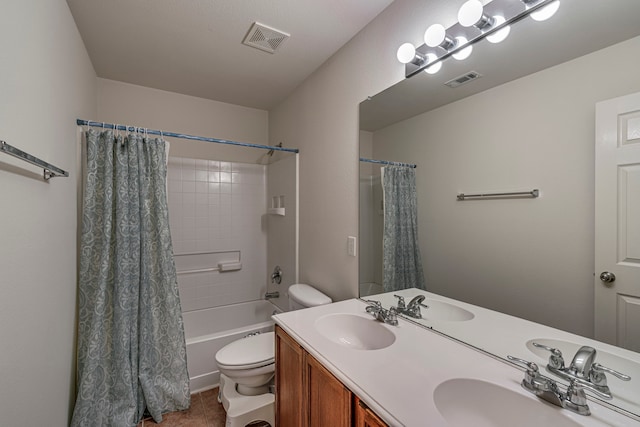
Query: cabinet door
point(329, 400)
point(365, 417)
point(289, 381)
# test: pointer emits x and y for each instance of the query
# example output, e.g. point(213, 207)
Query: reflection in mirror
point(389, 223)
point(527, 123)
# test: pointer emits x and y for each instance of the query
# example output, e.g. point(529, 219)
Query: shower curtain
point(131, 345)
point(402, 264)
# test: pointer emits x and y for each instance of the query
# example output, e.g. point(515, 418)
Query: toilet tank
point(303, 296)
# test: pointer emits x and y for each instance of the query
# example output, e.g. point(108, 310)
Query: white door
point(617, 222)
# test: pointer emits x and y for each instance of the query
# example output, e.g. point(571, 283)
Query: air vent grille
point(465, 78)
point(264, 38)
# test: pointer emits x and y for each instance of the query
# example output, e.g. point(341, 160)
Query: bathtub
point(210, 329)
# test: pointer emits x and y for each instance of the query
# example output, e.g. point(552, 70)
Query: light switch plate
point(351, 246)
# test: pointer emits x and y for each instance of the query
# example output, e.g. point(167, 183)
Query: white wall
point(282, 231)
point(321, 119)
point(535, 132)
point(46, 82)
point(370, 220)
point(123, 103)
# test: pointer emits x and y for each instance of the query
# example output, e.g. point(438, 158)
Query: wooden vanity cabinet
point(290, 358)
point(308, 395)
point(365, 417)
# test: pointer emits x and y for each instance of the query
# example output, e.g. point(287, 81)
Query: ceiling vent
point(264, 38)
point(465, 78)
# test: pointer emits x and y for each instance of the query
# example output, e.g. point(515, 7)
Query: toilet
point(247, 367)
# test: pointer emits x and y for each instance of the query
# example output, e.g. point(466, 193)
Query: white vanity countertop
point(501, 334)
point(398, 382)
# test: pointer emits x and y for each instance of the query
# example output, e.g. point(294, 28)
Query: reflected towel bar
point(50, 171)
point(532, 194)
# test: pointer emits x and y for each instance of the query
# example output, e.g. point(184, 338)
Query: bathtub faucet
point(276, 276)
point(271, 295)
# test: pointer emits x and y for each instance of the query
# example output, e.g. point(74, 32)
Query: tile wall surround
point(217, 206)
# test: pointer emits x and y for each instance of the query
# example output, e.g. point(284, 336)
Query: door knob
point(607, 277)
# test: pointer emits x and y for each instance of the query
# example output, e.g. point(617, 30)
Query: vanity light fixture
point(544, 13)
point(407, 55)
point(472, 14)
point(502, 34)
point(463, 53)
point(476, 21)
point(432, 69)
point(436, 35)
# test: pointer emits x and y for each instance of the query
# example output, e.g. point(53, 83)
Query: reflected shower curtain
point(402, 264)
point(131, 345)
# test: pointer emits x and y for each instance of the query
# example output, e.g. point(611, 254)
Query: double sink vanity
point(357, 363)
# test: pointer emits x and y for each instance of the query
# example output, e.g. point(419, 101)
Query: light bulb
point(546, 12)
point(470, 13)
point(463, 53)
point(434, 35)
point(501, 34)
point(435, 67)
point(406, 53)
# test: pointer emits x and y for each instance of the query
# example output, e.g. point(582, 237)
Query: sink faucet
point(413, 308)
point(583, 368)
point(582, 362)
point(380, 314)
point(545, 388)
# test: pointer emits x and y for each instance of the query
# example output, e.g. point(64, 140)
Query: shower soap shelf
point(276, 211)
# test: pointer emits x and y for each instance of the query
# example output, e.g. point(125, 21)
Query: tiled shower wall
point(216, 208)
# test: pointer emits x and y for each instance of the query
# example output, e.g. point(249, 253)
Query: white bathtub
point(210, 329)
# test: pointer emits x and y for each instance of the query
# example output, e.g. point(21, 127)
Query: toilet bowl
point(248, 366)
point(249, 362)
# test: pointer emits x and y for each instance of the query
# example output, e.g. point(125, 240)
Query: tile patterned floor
point(205, 411)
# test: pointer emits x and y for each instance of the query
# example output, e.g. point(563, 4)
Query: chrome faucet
point(413, 308)
point(272, 295)
point(276, 276)
point(584, 369)
point(582, 362)
point(545, 388)
point(380, 314)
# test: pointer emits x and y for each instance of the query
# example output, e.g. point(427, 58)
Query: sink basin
point(464, 402)
point(355, 332)
point(440, 310)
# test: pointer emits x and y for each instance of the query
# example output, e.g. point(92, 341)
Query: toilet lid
point(307, 295)
point(253, 351)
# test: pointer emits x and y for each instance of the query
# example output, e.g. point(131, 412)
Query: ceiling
point(579, 27)
point(194, 47)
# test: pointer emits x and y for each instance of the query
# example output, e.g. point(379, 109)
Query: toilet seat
point(247, 353)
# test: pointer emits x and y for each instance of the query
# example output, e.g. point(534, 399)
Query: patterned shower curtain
point(402, 264)
point(131, 345)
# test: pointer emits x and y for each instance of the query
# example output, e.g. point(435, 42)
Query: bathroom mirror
point(527, 123)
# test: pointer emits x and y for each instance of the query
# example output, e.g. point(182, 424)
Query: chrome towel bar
point(50, 171)
point(522, 194)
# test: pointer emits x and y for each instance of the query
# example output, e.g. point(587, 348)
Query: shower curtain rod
point(387, 162)
point(81, 122)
